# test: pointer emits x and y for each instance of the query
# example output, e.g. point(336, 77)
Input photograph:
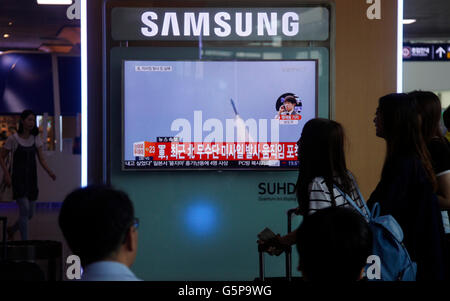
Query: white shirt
point(320, 197)
point(13, 141)
point(108, 271)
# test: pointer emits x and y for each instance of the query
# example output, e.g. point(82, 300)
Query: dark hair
point(333, 245)
point(402, 131)
point(321, 154)
point(23, 116)
point(446, 117)
point(290, 99)
point(95, 221)
point(280, 100)
point(429, 109)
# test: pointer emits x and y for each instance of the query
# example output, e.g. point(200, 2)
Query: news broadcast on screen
point(216, 114)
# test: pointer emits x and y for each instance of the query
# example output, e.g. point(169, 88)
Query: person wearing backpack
point(407, 186)
point(322, 166)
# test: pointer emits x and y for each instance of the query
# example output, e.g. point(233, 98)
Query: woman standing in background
point(439, 148)
point(408, 184)
point(24, 146)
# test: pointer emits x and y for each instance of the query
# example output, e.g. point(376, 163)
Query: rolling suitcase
point(287, 251)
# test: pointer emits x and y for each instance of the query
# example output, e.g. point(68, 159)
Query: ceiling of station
point(30, 26)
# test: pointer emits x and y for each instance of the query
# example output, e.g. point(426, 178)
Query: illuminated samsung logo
point(219, 24)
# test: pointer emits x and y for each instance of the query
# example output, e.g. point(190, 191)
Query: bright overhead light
point(84, 95)
point(6, 35)
point(400, 46)
point(409, 21)
point(55, 2)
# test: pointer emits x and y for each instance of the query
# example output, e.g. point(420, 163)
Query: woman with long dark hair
point(429, 109)
point(408, 184)
point(25, 145)
point(322, 166)
point(438, 146)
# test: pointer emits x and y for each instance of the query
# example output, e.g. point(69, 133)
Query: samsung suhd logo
point(220, 24)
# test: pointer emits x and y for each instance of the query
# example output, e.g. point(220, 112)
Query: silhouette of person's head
point(446, 118)
point(27, 122)
point(333, 245)
point(429, 109)
point(98, 224)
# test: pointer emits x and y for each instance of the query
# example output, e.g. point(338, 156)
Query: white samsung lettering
point(225, 29)
point(203, 22)
point(290, 29)
point(200, 24)
point(170, 19)
point(248, 25)
point(263, 22)
point(145, 18)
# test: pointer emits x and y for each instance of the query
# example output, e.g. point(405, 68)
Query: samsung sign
point(300, 24)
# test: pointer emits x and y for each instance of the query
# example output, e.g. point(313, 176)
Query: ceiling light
point(409, 21)
point(10, 23)
point(55, 2)
point(6, 35)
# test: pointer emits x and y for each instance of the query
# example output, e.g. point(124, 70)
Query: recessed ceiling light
point(409, 21)
point(10, 23)
point(6, 35)
point(55, 2)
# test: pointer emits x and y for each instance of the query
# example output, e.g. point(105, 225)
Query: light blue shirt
point(108, 271)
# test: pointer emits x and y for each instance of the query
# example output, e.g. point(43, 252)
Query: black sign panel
point(426, 52)
point(215, 24)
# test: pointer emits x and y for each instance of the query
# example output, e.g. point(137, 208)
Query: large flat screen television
point(216, 114)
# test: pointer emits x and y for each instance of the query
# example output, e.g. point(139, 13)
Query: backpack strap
point(376, 210)
point(353, 204)
point(363, 201)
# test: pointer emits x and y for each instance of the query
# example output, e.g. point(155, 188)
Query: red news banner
point(250, 151)
point(290, 117)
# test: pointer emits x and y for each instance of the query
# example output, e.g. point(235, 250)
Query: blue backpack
point(394, 261)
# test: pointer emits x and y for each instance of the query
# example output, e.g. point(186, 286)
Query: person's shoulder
point(401, 167)
point(318, 185)
point(11, 138)
point(403, 161)
point(38, 140)
point(318, 180)
point(10, 142)
point(439, 145)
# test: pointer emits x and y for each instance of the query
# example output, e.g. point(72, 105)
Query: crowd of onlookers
point(334, 239)
point(414, 189)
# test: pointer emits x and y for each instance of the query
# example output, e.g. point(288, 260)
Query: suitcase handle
point(288, 251)
point(290, 213)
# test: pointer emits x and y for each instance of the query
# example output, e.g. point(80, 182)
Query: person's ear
point(134, 238)
point(129, 239)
